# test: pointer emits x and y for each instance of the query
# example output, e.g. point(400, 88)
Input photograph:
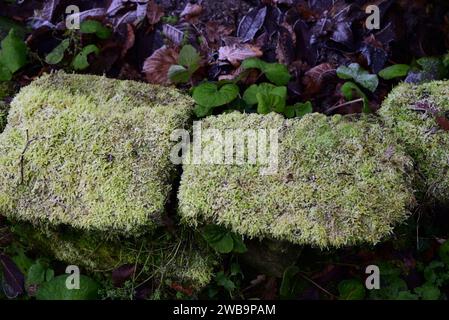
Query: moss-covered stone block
point(340, 181)
point(183, 258)
point(413, 113)
point(90, 152)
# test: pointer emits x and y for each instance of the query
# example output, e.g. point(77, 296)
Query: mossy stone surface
point(340, 181)
point(90, 152)
point(184, 258)
point(409, 111)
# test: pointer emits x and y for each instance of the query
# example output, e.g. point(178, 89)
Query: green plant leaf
point(288, 284)
point(202, 111)
point(298, 109)
point(207, 94)
point(5, 74)
point(13, 54)
point(350, 90)
point(428, 292)
point(80, 62)
point(178, 74)
point(93, 26)
point(275, 72)
point(225, 282)
point(190, 58)
point(36, 274)
point(351, 290)
point(406, 295)
point(57, 54)
point(56, 289)
point(218, 238)
point(359, 75)
point(267, 96)
point(394, 71)
point(239, 245)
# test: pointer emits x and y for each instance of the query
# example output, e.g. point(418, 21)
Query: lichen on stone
point(90, 152)
point(340, 181)
point(411, 111)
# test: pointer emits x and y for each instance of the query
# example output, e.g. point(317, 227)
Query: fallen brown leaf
point(191, 12)
point(154, 12)
point(156, 66)
point(314, 78)
point(238, 52)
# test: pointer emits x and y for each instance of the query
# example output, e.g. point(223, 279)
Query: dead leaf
point(251, 24)
point(156, 66)
point(236, 53)
point(172, 33)
point(154, 12)
point(130, 40)
point(314, 78)
point(191, 12)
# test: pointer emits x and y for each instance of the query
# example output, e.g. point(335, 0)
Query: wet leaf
point(394, 71)
point(236, 53)
point(80, 62)
point(359, 75)
point(251, 24)
point(157, 65)
point(13, 280)
point(57, 54)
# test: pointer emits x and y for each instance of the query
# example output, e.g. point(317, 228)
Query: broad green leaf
point(80, 62)
point(57, 54)
point(428, 292)
point(93, 26)
point(207, 94)
point(178, 74)
point(288, 284)
point(202, 111)
point(350, 90)
point(239, 245)
point(225, 282)
point(5, 74)
point(394, 71)
point(189, 57)
point(267, 96)
point(224, 245)
point(56, 289)
point(359, 75)
point(275, 72)
point(13, 54)
point(218, 238)
point(36, 274)
point(298, 110)
point(351, 290)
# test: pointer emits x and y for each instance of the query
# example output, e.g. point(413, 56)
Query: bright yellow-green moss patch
point(184, 258)
point(340, 181)
point(408, 110)
point(90, 152)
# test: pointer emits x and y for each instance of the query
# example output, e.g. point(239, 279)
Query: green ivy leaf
point(80, 62)
point(394, 71)
point(350, 90)
point(359, 75)
point(207, 94)
point(57, 54)
point(275, 72)
point(56, 289)
point(178, 74)
point(190, 58)
point(351, 290)
point(13, 54)
point(93, 26)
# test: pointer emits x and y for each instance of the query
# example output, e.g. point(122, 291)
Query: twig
point(317, 285)
point(344, 104)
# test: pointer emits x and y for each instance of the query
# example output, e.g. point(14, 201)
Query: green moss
point(339, 182)
point(423, 138)
point(90, 152)
point(184, 258)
